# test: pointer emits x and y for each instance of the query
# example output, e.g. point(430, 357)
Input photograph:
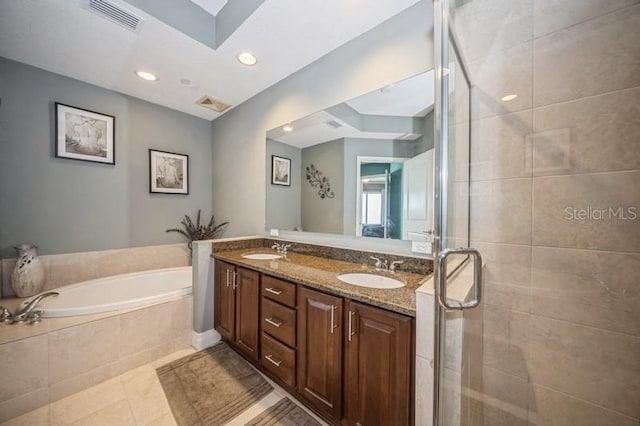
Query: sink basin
point(261, 256)
point(370, 280)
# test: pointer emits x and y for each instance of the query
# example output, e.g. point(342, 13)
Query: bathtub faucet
point(28, 312)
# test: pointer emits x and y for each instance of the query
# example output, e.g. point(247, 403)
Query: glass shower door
point(538, 168)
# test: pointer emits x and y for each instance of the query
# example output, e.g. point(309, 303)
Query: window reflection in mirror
point(375, 152)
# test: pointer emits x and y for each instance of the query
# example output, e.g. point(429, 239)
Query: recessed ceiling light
point(287, 128)
point(509, 97)
point(246, 58)
point(185, 81)
point(146, 76)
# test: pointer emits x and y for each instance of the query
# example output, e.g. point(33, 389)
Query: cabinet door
point(320, 350)
point(224, 308)
point(247, 284)
point(378, 366)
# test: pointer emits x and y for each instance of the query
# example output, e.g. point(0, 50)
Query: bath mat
point(211, 386)
point(283, 413)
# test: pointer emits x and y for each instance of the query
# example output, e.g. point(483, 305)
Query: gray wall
point(399, 48)
point(324, 214)
point(65, 205)
point(283, 202)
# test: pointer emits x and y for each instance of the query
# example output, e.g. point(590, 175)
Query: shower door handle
point(441, 278)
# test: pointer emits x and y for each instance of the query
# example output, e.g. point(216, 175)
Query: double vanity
point(338, 335)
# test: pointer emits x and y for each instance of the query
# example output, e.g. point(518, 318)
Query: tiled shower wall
point(63, 269)
point(561, 322)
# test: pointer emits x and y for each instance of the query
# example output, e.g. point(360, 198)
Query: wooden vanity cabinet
point(237, 310)
point(320, 350)
point(378, 366)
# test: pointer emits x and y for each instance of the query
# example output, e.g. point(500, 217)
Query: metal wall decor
point(315, 178)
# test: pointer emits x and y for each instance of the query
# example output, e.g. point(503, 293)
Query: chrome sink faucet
point(281, 248)
point(28, 312)
point(382, 265)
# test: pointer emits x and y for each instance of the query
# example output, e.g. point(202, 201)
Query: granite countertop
point(321, 273)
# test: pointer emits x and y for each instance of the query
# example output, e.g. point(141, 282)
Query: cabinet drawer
point(279, 321)
point(279, 359)
point(281, 291)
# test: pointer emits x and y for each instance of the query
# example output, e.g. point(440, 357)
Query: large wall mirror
point(363, 167)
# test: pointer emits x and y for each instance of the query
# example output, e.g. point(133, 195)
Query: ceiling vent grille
point(334, 123)
point(213, 103)
point(115, 14)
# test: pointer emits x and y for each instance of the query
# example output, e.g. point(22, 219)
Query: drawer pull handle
point(273, 322)
point(273, 291)
point(272, 361)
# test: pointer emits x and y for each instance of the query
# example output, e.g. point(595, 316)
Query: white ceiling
point(63, 37)
point(211, 6)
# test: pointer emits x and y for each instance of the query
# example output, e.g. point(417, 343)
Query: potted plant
point(197, 231)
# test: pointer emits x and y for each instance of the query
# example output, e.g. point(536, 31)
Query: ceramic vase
point(27, 278)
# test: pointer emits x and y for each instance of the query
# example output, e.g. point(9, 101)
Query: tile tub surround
point(321, 273)
point(69, 268)
point(61, 356)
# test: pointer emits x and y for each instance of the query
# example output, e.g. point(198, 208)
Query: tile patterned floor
point(134, 398)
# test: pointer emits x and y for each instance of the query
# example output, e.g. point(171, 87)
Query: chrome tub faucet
point(28, 312)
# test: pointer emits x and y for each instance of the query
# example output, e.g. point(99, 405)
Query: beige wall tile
point(594, 134)
point(556, 224)
point(7, 268)
point(594, 57)
point(506, 341)
point(554, 15)
point(550, 408)
point(424, 391)
point(23, 404)
point(595, 365)
point(501, 211)
point(505, 263)
point(72, 268)
point(118, 413)
point(488, 26)
point(24, 366)
point(505, 399)
point(503, 73)
point(82, 404)
point(594, 288)
point(501, 147)
point(114, 262)
point(82, 348)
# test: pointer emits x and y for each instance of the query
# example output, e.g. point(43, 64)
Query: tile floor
point(133, 398)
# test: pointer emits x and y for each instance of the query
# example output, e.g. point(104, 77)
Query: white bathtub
point(118, 292)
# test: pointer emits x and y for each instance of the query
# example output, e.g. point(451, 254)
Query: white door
point(418, 201)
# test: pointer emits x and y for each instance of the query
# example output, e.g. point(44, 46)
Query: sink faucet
point(382, 265)
point(281, 248)
point(28, 312)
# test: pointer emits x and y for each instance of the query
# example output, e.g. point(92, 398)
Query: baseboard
point(205, 339)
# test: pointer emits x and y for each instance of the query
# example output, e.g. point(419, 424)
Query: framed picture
point(280, 171)
point(85, 135)
point(168, 172)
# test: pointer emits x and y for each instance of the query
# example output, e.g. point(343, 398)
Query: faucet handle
point(394, 265)
point(35, 317)
point(5, 314)
point(378, 262)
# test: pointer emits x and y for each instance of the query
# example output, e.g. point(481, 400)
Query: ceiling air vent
point(334, 123)
point(213, 103)
point(115, 14)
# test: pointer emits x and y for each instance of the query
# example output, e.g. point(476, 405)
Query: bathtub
point(118, 292)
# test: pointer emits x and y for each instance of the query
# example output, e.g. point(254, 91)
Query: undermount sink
point(370, 280)
point(261, 256)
